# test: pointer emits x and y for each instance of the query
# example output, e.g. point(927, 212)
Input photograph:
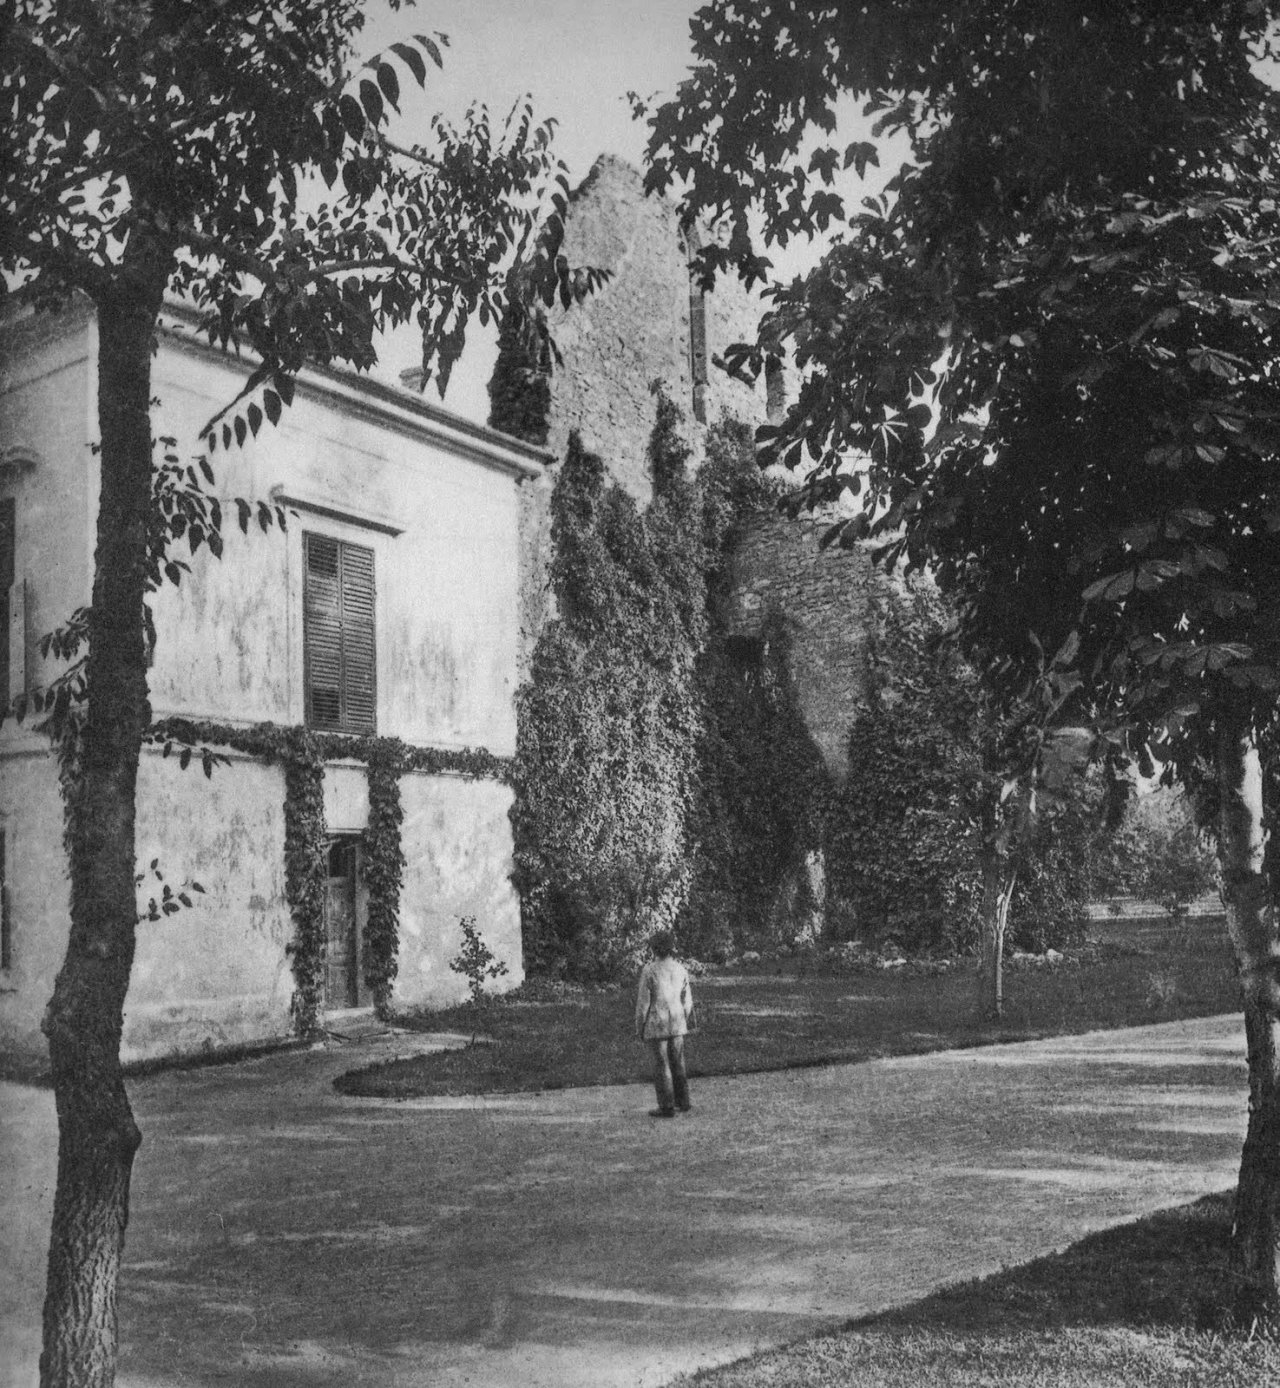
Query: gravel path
point(282, 1235)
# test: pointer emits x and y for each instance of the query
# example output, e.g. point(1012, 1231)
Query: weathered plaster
point(213, 974)
point(455, 831)
point(436, 499)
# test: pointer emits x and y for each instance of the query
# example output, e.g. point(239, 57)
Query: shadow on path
point(283, 1235)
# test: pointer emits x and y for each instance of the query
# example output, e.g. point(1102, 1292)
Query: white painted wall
point(230, 650)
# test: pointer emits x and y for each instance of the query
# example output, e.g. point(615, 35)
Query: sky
point(576, 58)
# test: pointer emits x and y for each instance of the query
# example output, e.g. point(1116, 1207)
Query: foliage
point(383, 868)
point(607, 727)
point(663, 774)
point(226, 155)
point(904, 842)
point(305, 868)
point(1052, 339)
point(1177, 867)
point(764, 793)
point(907, 835)
point(137, 126)
point(791, 1010)
point(520, 387)
point(1156, 852)
point(303, 754)
point(475, 961)
point(1066, 256)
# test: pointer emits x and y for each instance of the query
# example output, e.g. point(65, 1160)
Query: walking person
point(664, 1016)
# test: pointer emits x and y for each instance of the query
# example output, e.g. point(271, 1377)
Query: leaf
point(371, 100)
point(271, 403)
point(431, 48)
point(413, 60)
point(255, 419)
point(352, 115)
point(390, 85)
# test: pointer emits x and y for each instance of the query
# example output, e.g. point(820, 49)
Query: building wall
point(442, 519)
point(454, 831)
point(633, 332)
point(447, 604)
point(824, 598)
point(636, 330)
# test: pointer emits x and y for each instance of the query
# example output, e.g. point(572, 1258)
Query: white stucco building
point(390, 604)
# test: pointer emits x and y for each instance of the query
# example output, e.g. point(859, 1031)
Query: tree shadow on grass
point(1168, 1270)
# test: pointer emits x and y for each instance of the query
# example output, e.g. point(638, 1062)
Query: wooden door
point(342, 982)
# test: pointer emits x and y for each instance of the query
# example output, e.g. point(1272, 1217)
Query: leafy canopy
point(228, 147)
point(1052, 337)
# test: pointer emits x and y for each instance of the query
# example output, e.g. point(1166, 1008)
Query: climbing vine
point(383, 870)
point(305, 849)
point(638, 740)
point(303, 754)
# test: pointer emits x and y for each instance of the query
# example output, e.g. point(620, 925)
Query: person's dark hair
point(663, 943)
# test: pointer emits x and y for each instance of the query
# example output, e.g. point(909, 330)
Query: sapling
point(477, 964)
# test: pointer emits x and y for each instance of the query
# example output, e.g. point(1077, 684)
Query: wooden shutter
point(8, 528)
point(339, 650)
point(359, 667)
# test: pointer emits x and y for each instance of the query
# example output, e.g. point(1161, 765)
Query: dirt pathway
point(285, 1236)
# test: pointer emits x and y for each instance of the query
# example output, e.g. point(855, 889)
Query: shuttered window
point(7, 574)
point(338, 635)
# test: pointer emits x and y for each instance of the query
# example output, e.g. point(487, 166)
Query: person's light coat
point(664, 1001)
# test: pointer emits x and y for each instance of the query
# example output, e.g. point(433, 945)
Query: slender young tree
point(228, 154)
point(1054, 338)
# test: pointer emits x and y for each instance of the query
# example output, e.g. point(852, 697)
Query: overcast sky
point(576, 58)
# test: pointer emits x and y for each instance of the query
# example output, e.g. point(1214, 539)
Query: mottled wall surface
point(39, 894)
point(447, 607)
point(458, 829)
point(824, 599)
point(439, 507)
point(215, 974)
point(637, 329)
point(634, 331)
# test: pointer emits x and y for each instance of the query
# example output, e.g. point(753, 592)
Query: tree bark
point(97, 1135)
point(998, 880)
point(1242, 841)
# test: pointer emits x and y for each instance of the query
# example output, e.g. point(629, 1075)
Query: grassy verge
point(1133, 1307)
point(776, 1017)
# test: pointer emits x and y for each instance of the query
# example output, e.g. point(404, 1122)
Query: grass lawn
point(787, 1014)
point(1131, 1307)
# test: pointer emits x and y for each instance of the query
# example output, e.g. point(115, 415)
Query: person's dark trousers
point(669, 1079)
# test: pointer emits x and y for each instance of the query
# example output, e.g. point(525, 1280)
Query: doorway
point(344, 913)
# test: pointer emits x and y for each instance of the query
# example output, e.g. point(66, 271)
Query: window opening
point(339, 649)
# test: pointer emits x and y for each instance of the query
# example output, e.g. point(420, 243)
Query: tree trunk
point(1252, 923)
point(97, 1136)
point(998, 880)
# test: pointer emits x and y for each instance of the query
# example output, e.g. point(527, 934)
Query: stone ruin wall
point(632, 332)
point(824, 598)
point(637, 329)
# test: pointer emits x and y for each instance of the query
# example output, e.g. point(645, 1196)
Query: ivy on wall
point(607, 724)
point(904, 835)
point(383, 870)
point(763, 786)
point(305, 868)
point(520, 387)
point(303, 755)
point(634, 760)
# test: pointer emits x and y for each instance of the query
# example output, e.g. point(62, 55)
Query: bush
point(609, 721)
point(663, 773)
